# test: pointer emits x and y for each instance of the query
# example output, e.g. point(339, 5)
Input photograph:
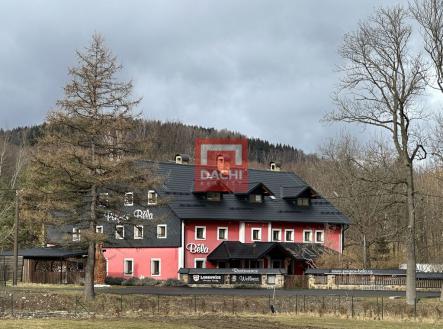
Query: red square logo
point(221, 165)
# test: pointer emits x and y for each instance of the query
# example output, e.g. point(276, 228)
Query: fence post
point(382, 309)
point(158, 303)
point(195, 304)
point(121, 304)
point(296, 304)
point(304, 303)
point(12, 304)
point(352, 306)
point(415, 308)
point(75, 309)
point(233, 302)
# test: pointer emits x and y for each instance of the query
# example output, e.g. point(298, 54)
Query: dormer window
point(129, 199)
point(303, 202)
point(152, 197)
point(213, 196)
point(256, 198)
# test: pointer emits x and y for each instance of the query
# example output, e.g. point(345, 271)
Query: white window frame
point(200, 259)
point(292, 231)
point(135, 230)
point(315, 236)
point(125, 267)
point(152, 197)
point(272, 234)
point(131, 203)
point(76, 234)
point(218, 231)
point(256, 198)
point(306, 241)
point(123, 232)
point(204, 232)
point(166, 231)
point(259, 233)
point(99, 229)
point(159, 266)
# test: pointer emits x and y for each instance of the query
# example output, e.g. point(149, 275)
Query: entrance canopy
point(235, 250)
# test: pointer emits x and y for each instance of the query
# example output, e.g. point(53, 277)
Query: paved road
point(180, 291)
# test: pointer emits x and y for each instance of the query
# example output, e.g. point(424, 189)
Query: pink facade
point(142, 259)
point(242, 231)
point(211, 241)
point(172, 259)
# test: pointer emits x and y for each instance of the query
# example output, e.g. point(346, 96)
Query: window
point(276, 235)
point(152, 197)
point(129, 199)
point(213, 196)
point(75, 234)
point(276, 263)
point(307, 236)
point(303, 202)
point(256, 198)
point(256, 234)
point(155, 267)
point(162, 231)
point(138, 232)
point(319, 236)
point(200, 233)
point(103, 200)
point(222, 233)
point(119, 232)
point(99, 229)
point(200, 263)
point(289, 235)
point(128, 266)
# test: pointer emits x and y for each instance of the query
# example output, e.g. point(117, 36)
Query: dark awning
point(235, 250)
point(49, 252)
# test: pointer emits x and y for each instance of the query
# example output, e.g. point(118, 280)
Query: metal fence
point(25, 304)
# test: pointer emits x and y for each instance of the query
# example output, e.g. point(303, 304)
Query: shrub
point(114, 281)
point(130, 282)
point(149, 282)
point(174, 283)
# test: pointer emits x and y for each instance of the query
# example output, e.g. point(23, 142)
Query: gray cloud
point(264, 68)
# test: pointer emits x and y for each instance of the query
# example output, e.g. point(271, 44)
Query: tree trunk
point(90, 262)
point(410, 239)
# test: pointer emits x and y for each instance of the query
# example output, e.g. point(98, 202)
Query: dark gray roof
point(230, 250)
point(178, 187)
point(49, 252)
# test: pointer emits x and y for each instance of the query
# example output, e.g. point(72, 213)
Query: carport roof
point(46, 252)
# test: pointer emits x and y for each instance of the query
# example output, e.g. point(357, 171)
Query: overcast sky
point(263, 68)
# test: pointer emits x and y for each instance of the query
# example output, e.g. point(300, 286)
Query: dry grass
point(218, 322)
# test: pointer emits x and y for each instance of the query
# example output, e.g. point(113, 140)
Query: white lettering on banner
point(143, 214)
point(233, 174)
point(197, 248)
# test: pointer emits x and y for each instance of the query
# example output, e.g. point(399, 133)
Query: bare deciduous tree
point(382, 81)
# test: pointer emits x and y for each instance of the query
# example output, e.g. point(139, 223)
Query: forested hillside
point(169, 138)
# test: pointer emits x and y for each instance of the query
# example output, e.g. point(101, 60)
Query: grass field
point(217, 322)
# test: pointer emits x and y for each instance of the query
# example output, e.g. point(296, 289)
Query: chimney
point(274, 166)
point(182, 158)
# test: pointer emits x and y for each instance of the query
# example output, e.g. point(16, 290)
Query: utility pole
point(15, 264)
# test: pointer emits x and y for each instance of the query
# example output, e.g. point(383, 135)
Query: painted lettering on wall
point(111, 217)
point(143, 214)
point(197, 248)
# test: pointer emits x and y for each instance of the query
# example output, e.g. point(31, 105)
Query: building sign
point(353, 272)
point(245, 279)
point(197, 248)
point(207, 278)
point(138, 213)
point(143, 214)
point(221, 165)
